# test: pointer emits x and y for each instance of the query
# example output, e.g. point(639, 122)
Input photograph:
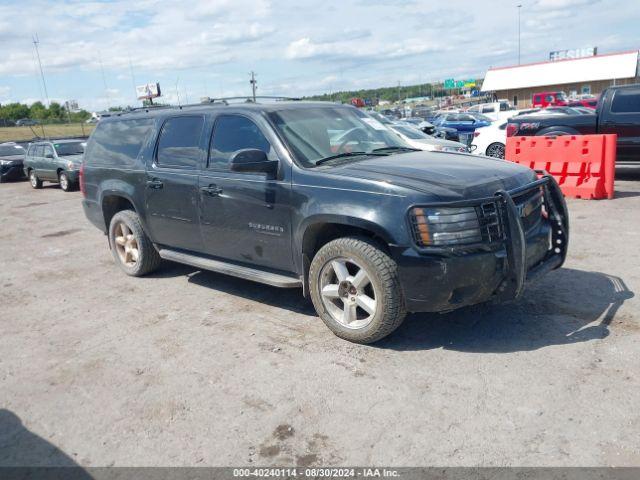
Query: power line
point(36, 41)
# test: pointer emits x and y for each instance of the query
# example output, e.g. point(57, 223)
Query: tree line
point(38, 111)
point(391, 94)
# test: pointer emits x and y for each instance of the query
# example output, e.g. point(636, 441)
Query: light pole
point(519, 8)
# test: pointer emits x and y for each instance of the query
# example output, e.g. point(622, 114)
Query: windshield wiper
point(348, 154)
point(404, 149)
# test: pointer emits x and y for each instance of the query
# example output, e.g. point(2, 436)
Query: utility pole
point(398, 91)
point(254, 85)
point(36, 41)
point(133, 80)
point(519, 8)
point(104, 81)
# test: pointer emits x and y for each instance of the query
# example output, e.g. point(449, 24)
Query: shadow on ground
point(566, 306)
point(21, 448)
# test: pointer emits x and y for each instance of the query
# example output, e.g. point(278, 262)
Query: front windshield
point(410, 132)
point(70, 148)
point(316, 133)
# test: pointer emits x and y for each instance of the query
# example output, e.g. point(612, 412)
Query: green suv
point(56, 161)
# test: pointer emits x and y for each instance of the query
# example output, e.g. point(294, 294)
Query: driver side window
point(232, 133)
point(48, 151)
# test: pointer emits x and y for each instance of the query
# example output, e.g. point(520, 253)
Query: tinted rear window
point(118, 143)
point(626, 101)
point(179, 144)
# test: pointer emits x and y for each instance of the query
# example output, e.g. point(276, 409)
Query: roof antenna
point(178, 91)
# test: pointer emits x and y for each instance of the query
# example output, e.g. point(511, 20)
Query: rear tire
point(496, 150)
point(355, 290)
point(34, 180)
point(131, 248)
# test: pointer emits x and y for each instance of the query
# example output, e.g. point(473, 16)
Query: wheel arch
point(557, 130)
point(320, 230)
point(112, 202)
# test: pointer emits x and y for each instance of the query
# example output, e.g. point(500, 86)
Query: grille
point(529, 206)
point(490, 222)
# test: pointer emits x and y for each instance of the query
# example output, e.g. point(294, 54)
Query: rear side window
point(232, 133)
point(119, 142)
point(488, 110)
point(179, 143)
point(537, 99)
point(626, 101)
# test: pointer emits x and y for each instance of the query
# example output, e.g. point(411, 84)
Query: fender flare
point(557, 130)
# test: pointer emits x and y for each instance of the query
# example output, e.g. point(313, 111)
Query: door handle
point(211, 190)
point(155, 184)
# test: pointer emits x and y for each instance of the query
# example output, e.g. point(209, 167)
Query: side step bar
point(247, 273)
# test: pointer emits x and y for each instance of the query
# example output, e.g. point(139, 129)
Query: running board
point(232, 269)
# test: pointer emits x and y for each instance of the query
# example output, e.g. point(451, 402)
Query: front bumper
point(73, 175)
point(435, 280)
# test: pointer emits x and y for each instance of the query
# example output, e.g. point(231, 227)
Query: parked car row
point(56, 161)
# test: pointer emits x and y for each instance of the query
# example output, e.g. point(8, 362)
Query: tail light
point(81, 180)
point(512, 129)
point(476, 133)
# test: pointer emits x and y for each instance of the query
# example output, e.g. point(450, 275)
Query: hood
point(77, 159)
point(13, 158)
point(449, 176)
point(440, 141)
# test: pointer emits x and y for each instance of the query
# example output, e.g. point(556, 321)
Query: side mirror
point(48, 155)
point(252, 160)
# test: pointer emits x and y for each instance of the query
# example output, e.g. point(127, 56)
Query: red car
point(584, 102)
point(545, 99)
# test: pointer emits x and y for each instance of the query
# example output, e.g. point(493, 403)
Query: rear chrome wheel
point(131, 247)
point(126, 245)
point(495, 150)
point(347, 293)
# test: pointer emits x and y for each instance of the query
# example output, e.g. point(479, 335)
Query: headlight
point(445, 226)
point(446, 148)
point(6, 162)
point(71, 166)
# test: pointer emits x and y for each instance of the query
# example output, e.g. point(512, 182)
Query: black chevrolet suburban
point(323, 197)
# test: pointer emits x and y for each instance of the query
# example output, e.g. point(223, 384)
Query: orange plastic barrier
point(583, 165)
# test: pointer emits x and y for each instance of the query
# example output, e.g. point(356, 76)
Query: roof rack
point(220, 101)
point(250, 99)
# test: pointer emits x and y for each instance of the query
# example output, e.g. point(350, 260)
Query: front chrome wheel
point(64, 181)
point(126, 245)
point(347, 293)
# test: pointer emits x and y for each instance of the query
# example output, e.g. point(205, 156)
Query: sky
point(96, 51)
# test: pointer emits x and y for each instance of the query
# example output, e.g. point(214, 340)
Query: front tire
point(65, 183)
point(131, 248)
point(355, 290)
point(34, 180)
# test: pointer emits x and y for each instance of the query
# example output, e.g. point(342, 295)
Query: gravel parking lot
point(188, 367)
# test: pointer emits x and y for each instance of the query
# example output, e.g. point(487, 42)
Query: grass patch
point(8, 134)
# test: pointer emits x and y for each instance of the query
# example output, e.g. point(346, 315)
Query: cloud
point(308, 49)
point(561, 4)
point(297, 47)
